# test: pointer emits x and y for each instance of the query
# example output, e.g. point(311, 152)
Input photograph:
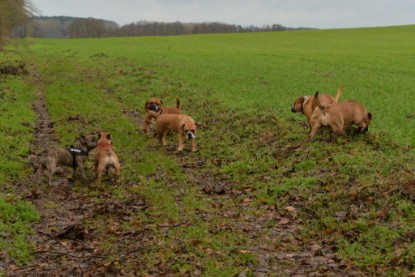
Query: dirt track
point(67, 250)
point(68, 247)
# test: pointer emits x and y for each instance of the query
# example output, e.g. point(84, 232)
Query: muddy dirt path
point(65, 246)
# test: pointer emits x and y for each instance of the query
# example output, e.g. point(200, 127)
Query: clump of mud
point(9, 69)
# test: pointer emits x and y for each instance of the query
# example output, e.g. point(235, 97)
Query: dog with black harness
point(71, 156)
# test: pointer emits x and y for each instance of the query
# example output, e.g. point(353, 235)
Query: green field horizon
point(247, 201)
point(269, 70)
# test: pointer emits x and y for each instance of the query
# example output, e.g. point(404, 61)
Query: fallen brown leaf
point(283, 221)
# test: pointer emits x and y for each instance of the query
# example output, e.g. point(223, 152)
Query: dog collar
point(104, 145)
point(302, 105)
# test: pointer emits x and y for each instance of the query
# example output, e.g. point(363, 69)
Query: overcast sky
point(323, 14)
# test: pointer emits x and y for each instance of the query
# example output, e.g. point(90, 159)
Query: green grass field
point(268, 70)
point(355, 194)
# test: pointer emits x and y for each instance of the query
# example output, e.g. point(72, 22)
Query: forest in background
point(18, 19)
point(71, 27)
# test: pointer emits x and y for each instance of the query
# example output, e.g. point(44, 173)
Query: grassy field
point(16, 121)
point(213, 212)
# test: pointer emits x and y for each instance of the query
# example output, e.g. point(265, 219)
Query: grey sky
point(323, 14)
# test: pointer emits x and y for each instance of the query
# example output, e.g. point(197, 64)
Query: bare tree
point(13, 13)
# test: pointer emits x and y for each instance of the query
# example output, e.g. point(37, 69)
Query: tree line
point(13, 13)
point(17, 20)
point(70, 27)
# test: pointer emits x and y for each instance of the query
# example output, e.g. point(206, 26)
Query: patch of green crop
point(15, 219)
point(16, 127)
point(16, 122)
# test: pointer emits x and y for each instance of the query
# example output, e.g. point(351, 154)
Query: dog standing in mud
point(182, 124)
point(156, 105)
point(307, 105)
point(105, 157)
point(73, 156)
point(339, 116)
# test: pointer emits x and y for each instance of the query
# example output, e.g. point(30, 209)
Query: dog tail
point(339, 92)
point(321, 107)
point(178, 106)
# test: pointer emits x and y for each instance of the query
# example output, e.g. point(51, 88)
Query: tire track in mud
point(64, 246)
point(273, 237)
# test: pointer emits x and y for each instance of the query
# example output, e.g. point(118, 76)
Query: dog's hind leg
point(117, 174)
point(99, 171)
point(316, 126)
point(338, 127)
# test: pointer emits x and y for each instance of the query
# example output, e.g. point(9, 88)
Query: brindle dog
point(72, 156)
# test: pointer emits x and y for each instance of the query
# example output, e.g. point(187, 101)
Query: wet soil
point(69, 247)
point(65, 245)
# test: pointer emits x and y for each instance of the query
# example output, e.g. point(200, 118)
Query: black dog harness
point(76, 151)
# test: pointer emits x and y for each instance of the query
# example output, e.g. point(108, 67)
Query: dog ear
point(369, 115)
point(161, 101)
point(99, 135)
point(109, 136)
